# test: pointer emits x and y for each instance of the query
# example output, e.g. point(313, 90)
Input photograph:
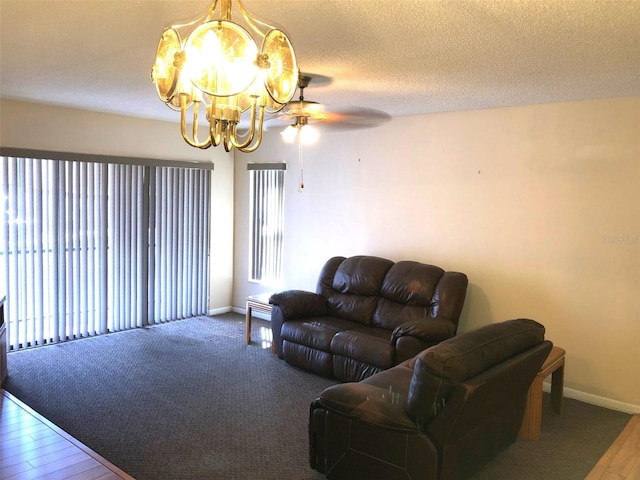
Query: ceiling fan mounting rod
point(303, 82)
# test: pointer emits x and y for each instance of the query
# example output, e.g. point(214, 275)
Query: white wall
point(41, 127)
point(538, 205)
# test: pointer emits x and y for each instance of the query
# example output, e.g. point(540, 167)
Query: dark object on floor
point(441, 415)
point(368, 314)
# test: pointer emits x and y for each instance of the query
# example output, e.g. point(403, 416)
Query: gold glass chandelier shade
point(282, 72)
point(221, 58)
point(164, 73)
point(213, 65)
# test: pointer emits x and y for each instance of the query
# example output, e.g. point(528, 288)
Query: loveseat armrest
point(432, 330)
point(299, 304)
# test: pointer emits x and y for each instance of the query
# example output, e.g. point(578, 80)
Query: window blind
point(82, 241)
point(267, 221)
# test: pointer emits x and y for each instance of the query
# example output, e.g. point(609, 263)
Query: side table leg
point(247, 334)
point(557, 385)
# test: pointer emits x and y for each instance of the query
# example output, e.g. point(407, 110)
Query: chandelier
point(212, 66)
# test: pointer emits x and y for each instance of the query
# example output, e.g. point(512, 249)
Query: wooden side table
point(554, 366)
point(259, 303)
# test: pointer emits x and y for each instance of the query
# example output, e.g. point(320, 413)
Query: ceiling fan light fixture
point(228, 65)
point(301, 131)
point(289, 134)
point(308, 135)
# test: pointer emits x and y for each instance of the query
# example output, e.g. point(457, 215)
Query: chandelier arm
point(258, 140)
point(215, 131)
point(252, 129)
point(233, 134)
point(225, 9)
point(251, 21)
point(226, 137)
point(183, 125)
point(196, 116)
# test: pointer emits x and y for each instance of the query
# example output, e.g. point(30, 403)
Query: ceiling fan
point(302, 117)
point(298, 113)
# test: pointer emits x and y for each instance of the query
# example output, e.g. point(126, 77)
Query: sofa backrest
point(352, 286)
point(413, 290)
point(376, 291)
point(439, 369)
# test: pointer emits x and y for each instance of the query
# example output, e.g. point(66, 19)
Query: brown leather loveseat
point(440, 415)
point(367, 314)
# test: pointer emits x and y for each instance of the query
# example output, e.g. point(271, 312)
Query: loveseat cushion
point(361, 275)
point(368, 345)
point(356, 286)
point(411, 283)
point(315, 332)
point(413, 290)
point(439, 368)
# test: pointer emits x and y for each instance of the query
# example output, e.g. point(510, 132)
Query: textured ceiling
point(400, 56)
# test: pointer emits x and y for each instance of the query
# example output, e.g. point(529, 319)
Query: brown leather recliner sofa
point(440, 415)
point(367, 314)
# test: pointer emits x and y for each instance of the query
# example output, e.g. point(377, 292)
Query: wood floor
point(32, 447)
point(622, 460)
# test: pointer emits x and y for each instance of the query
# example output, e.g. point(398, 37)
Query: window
point(266, 221)
point(90, 247)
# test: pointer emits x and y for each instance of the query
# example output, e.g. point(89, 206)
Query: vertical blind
point(90, 248)
point(267, 221)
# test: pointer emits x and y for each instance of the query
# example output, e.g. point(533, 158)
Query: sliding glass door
point(93, 247)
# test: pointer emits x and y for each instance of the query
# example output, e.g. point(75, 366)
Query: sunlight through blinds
point(266, 221)
point(89, 248)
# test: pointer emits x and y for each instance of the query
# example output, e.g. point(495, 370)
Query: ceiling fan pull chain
point(301, 184)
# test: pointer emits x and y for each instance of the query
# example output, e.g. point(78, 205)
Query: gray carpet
point(189, 400)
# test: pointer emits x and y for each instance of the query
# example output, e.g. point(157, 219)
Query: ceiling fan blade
point(351, 118)
point(334, 119)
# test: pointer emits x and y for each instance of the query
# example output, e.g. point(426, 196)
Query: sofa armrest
point(432, 330)
point(368, 403)
point(299, 304)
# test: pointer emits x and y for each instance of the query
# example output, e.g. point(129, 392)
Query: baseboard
point(243, 311)
point(260, 315)
point(220, 311)
point(596, 400)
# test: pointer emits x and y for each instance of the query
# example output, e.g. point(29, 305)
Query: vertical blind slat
point(103, 239)
point(38, 281)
